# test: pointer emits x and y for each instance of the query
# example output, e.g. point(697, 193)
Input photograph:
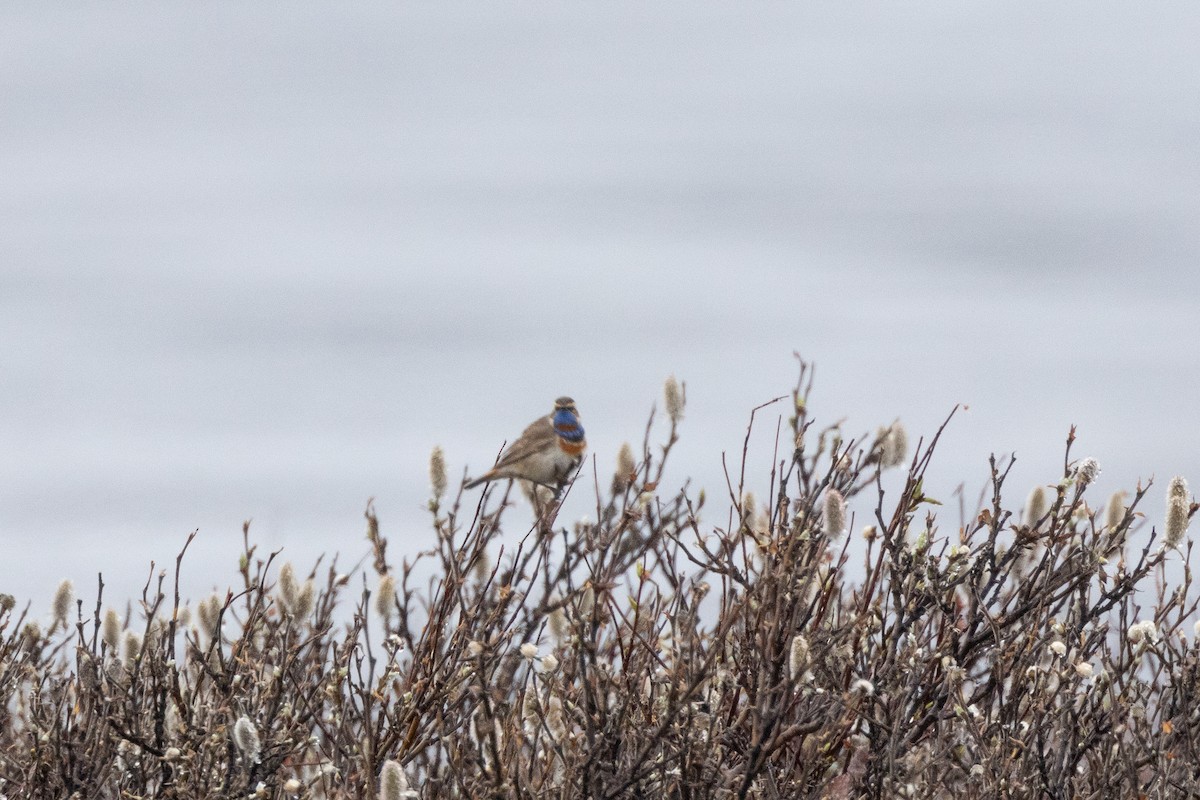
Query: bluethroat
point(547, 453)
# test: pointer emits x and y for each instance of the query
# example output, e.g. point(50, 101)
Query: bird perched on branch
point(547, 453)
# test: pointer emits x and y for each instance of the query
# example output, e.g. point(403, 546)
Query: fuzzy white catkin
point(1114, 512)
point(133, 648)
point(288, 589)
point(1177, 488)
point(557, 622)
point(529, 711)
point(61, 606)
point(797, 656)
point(393, 783)
point(1178, 506)
point(1086, 471)
point(555, 721)
point(297, 598)
point(209, 612)
point(1146, 629)
point(112, 630)
point(245, 736)
point(834, 513)
point(385, 596)
point(437, 473)
point(626, 469)
point(673, 399)
point(1035, 506)
point(305, 601)
point(895, 446)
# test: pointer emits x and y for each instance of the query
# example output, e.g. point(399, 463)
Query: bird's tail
point(481, 479)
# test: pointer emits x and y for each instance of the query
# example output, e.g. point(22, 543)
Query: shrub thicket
point(650, 654)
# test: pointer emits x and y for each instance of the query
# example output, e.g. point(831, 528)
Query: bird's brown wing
point(537, 436)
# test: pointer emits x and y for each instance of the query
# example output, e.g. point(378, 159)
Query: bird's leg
point(545, 511)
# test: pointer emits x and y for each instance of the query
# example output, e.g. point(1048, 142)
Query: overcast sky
point(256, 260)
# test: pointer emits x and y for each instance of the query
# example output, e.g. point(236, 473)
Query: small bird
point(549, 450)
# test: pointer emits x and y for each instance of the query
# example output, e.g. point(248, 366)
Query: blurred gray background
point(257, 260)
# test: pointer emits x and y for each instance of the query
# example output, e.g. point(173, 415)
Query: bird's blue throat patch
point(567, 426)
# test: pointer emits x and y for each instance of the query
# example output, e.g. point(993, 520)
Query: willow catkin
point(834, 514)
point(1035, 506)
point(385, 596)
point(61, 607)
point(393, 783)
point(245, 736)
point(111, 630)
point(895, 446)
point(1086, 472)
point(673, 399)
point(437, 473)
point(797, 656)
point(626, 468)
point(1114, 512)
point(1178, 507)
